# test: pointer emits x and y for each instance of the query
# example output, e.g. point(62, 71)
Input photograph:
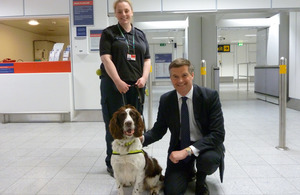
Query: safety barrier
point(216, 78)
point(282, 103)
point(203, 73)
point(150, 98)
point(247, 74)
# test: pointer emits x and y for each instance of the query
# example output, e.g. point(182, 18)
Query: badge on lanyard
point(131, 57)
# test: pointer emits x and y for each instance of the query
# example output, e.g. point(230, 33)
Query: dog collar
point(130, 152)
point(129, 143)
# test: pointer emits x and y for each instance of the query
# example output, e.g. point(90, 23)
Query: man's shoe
point(203, 190)
point(110, 171)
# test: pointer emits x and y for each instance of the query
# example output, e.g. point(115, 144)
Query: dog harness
point(130, 152)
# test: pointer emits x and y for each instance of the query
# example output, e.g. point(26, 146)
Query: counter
point(35, 87)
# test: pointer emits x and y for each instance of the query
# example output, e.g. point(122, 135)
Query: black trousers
point(177, 176)
point(111, 101)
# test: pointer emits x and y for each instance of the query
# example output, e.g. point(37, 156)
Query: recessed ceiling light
point(250, 35)
point(162, 37)
point(33, 22)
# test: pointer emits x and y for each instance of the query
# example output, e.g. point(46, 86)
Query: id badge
point(131, 57)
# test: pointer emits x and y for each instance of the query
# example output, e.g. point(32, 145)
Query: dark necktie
point(185, 125)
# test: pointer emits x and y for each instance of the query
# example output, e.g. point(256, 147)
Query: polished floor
point(68, 158)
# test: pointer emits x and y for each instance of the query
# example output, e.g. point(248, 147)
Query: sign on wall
point(224, 48)
point(162, 62)
point(6, 68)
point(95, 36)
point(83, 12)
point(81, 31)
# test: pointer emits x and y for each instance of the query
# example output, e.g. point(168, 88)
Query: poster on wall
point(83, 12)
point(162, 62)
point(95, 36)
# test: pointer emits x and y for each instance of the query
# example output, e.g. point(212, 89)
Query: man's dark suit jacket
point(208, 115)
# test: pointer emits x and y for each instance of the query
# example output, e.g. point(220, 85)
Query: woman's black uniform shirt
point(112, 42)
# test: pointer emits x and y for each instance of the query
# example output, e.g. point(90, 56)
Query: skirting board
point(293, 104)
point(79, 116)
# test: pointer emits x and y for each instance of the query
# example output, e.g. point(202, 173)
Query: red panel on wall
point(42, 67)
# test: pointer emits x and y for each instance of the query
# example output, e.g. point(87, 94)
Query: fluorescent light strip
point(162, 37)
point(250, 35)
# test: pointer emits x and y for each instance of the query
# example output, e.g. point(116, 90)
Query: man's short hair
point(181, 62)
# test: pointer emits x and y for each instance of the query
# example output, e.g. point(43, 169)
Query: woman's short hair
point(181, 62)
point(120, 1)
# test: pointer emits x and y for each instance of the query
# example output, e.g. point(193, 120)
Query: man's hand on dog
point(142, 139)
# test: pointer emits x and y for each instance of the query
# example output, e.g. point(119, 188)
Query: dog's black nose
point(128, 123)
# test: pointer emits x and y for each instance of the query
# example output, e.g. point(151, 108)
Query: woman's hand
point(141, 82)
point(122, 86)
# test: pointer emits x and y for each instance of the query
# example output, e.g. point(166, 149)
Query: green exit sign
point(162, 44)
point(240, 44)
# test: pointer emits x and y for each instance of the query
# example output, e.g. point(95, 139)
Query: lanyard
point(133, 43)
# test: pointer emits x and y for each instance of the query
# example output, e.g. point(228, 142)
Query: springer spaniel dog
point(132, 166)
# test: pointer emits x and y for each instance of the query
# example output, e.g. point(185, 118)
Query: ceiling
point(47, 27)
point(224, 35)
point(165, 36)
point(61, 26)
point(236, 35)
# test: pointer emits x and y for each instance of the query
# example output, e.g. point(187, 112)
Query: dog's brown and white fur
point(132, 166)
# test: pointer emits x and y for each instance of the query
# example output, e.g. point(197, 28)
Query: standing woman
point(125, 67)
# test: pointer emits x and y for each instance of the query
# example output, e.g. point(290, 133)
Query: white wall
point(17, 44)
point(273, 42)
point(294, 58)
point(261, 46)
point(86, 82)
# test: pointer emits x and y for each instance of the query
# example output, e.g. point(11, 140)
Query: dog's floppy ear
point(114, 126)
point(139, 126)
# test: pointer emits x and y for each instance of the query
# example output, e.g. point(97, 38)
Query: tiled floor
point(68, 158)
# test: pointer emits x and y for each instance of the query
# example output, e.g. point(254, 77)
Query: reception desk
point(35, 88)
